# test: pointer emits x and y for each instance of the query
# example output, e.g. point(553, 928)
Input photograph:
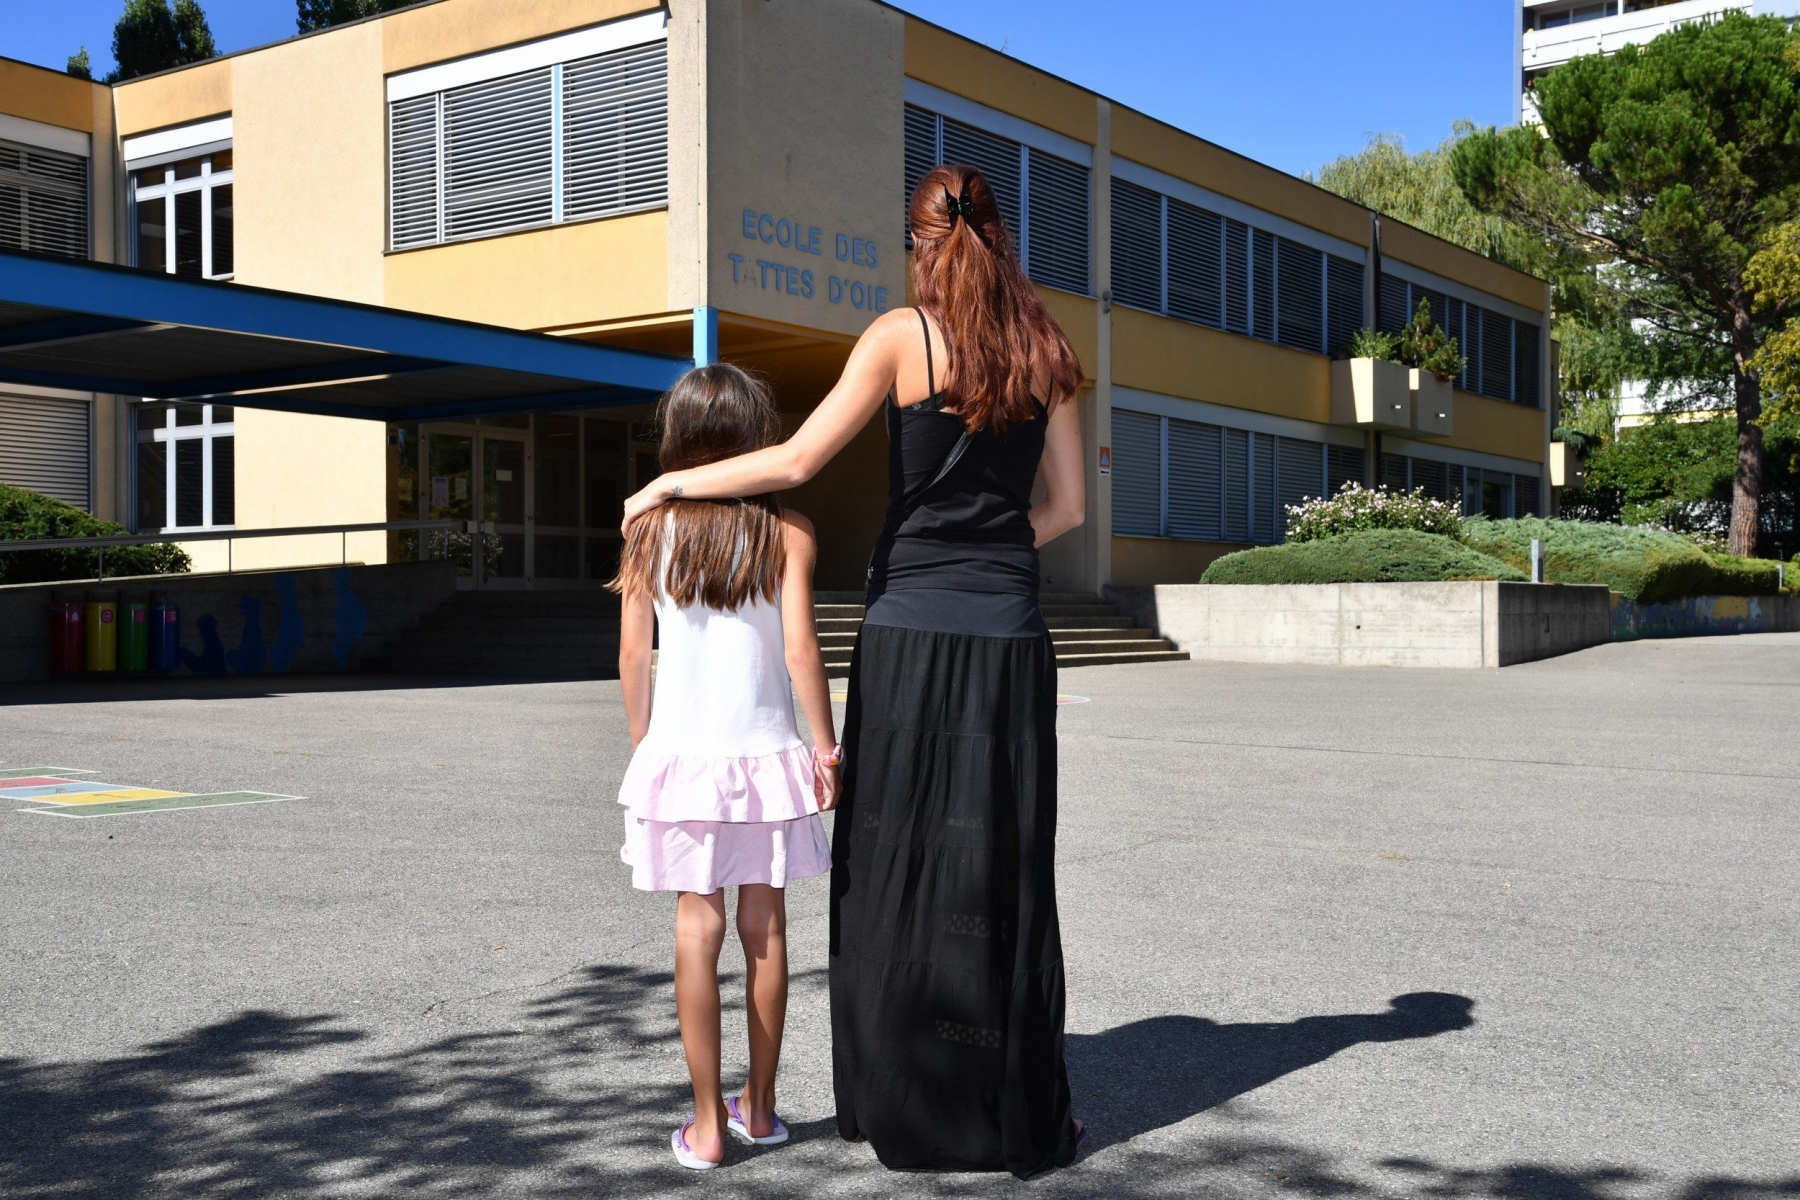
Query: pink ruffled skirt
point(700, 824)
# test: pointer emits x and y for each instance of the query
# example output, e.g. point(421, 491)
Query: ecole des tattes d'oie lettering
point(801, 281)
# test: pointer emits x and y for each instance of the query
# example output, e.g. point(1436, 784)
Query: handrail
point(222, 535)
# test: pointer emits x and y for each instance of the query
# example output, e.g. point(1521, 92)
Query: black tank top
point(966, 532)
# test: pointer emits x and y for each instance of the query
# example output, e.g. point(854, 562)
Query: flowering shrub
point(1357, 508)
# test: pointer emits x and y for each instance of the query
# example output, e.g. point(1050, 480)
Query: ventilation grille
point(43, 202)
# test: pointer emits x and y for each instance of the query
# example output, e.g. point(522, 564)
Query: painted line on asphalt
point(166, 804)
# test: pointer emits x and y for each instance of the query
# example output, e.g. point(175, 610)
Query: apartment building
point(722, 178)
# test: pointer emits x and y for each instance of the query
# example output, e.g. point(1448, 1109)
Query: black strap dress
point(946, 958)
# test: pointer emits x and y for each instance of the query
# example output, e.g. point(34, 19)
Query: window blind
point(1262, 284)
point(1195, 283)
point(1391, 305)
point(1264, 525)
point(923, 149)
point(43, 201)
point(615, 151)
point(999, 160)
point(1236, 517)
point(1196, 476)
point(44, 446)
point(1237, 276)
point(413, 209)
point(1137, 473)
point(1343, 464)
point(1525, 495)
point(1496, 356)
point(1526, 385)
point(1300, 475)
point(1300, 296)
point(1056, 222)
point(1137, 248)
point(1343, 302)
point(497, 172)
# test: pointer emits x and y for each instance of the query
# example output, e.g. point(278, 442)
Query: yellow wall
point(564, 275)
point(1496, 427)
point(436, 33)
point(49, 97)
point(1176, 358)
point(1428, 253)
point(177, 97)
point(956, 64)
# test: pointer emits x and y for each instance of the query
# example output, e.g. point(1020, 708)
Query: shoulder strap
point(930, 373)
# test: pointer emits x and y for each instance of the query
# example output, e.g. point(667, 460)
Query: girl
point(721, 791)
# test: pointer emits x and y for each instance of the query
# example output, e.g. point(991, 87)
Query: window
point(1503, 354)
point(567, 141)
point(43, 200)
point(1187, 479)
point(44, 443)
point(183, 216)
point(1180, 260)
point(186, 467)
point(1475, 490)
point(1043, 198)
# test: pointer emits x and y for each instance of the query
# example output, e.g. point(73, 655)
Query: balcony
point(1546, 48)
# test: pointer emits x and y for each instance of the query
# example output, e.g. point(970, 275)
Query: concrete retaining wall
point(1704, 615)
point(1477, 624)
point(248, 623)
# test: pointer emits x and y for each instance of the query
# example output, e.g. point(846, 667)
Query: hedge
point(1646, 565)
point(1371, 556)
point(27, 515)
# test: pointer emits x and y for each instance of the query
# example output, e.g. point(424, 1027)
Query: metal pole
point(1537, 560)
point(100, 570)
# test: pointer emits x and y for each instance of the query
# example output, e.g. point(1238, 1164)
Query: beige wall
point(177, 97)
point(805, 103)
point(1139, 560)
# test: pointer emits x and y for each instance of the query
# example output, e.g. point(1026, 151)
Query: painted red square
point(32, 781)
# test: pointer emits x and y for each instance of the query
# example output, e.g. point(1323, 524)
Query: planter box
point(1371, 393)
point(1434, 404)
point(1566, 467)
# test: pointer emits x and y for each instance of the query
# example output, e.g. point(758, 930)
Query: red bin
point(68, 648)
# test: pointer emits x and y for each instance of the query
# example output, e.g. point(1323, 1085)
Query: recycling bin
point(102, 635)
point(66, 648)
point(134, 636)
point(165, 636)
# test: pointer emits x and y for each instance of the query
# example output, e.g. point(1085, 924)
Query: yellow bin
point(103, 635)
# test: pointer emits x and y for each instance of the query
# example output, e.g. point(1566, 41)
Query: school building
point(669, 181)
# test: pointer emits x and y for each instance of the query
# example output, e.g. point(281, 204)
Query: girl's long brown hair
point(967, 275)
point(720, 553)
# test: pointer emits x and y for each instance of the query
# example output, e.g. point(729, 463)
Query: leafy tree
point(322, 14)
point(1425, 345)
point(1673, 163)
point(79, 65)
point(1774, 275)
point(150, 36)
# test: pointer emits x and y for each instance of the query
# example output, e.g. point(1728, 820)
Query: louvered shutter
point(1393, 472)
point(413, 172)
point(1526, 388)
point(1343, 464)
point(1439, 305)
point(1262, 286)
point(998, 159)
point(1343, 302)
point(1194, 244)
point(1237, 276)
point(1056, 206)
point(1429, 477)
point(44, 446)
point(922, 129)
point(1195, 480)
point(1136, 246)
point(615, 112)
point(1496, 355)
point(1455, 319)
point(497, 156)
point(1300, 319)
point(1237, 486)
point(1391, 305)
point(43, 201)
point(1263, 525)
point(1525, 495)
point(1299, 477)
point(1137, 473)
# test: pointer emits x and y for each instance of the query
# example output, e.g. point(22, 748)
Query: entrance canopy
point(91, 327)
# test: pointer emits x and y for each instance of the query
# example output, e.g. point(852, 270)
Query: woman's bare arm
point(637, 633)
point(1065, 484)
point(866, 380)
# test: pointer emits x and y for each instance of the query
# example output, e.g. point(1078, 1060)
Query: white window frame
point(166, 148)
point(169, 433)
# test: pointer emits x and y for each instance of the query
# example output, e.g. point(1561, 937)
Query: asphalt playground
point(1329, 933)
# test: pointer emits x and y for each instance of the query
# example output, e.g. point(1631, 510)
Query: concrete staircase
point(542, 634)
point(1088, 632)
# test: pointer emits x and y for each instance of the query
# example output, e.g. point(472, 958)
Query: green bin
point(134, 636)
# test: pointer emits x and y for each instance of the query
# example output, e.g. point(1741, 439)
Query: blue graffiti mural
point(290, 632)
point(352, 618)
point(251, 654)
point(211, 659)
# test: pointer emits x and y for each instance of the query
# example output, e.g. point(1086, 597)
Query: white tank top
point(722, 687)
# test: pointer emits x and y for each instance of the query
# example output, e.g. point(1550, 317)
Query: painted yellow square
point(113, 797)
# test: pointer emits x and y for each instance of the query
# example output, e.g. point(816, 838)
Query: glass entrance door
point(506, 518)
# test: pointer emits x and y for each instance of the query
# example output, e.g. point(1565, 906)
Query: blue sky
point(1290, 82)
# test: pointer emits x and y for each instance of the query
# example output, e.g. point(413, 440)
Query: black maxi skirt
point(946, 958)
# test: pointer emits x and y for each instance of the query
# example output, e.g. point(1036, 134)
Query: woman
point(946, 959)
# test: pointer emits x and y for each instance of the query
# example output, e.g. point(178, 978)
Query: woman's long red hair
point(967, 275)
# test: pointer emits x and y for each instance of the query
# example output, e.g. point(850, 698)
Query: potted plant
point(1434, 361)
point(1371, 388)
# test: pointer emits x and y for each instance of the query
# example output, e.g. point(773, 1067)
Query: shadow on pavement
point(114, 689)
point(551, 1099)
point(1163, 1070)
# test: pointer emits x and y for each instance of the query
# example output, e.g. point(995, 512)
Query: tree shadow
point(1162, 1070)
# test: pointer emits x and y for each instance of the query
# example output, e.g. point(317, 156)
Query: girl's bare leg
point(762, 926)
point(699, 933)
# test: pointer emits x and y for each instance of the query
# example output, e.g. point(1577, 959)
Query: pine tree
point(323, 14)
point(150, 36)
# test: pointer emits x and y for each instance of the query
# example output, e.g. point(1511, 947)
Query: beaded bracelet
point(829, 760)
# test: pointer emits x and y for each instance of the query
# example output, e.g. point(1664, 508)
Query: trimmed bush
point(1356, 508)
point(1646, 565)
point(1735, 576)
point(26, 516)
point(1369, 556)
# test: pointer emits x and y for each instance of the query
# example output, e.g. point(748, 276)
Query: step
point(838, 624)
point(1113, 658)
point(1115, 634)
point(1079, 610)
point(838, 611)
point(1107, 622)
point(1078, 648)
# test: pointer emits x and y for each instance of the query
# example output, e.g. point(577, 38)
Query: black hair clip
point(962, 207)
